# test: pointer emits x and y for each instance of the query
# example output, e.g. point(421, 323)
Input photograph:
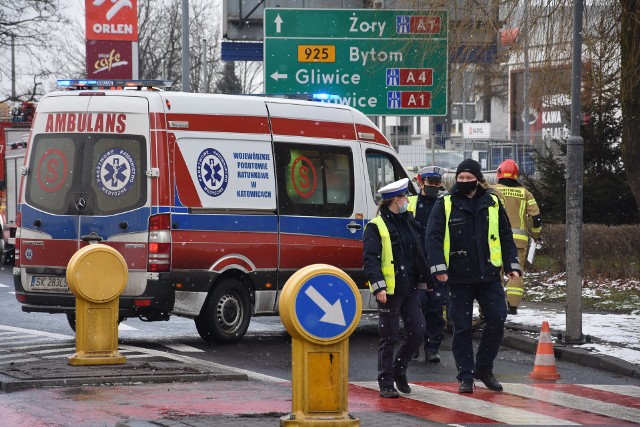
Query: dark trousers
point(433, 303)
point(491, 298)
point(392, 362)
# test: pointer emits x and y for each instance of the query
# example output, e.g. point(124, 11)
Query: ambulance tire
point(71, 318)
point(226, 314)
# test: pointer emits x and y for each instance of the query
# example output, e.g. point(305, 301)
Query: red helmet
point(508, 169)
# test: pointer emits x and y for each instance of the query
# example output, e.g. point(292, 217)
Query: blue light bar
point(324, 96)
point(90, 84)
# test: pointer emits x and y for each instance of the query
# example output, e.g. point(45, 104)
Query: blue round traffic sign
point(321, 304)
point(325, 306)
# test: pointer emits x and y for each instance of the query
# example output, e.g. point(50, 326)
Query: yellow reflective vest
point(493, 237)
point(387, 256)
point(413, 204)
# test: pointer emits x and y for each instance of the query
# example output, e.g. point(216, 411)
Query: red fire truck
point(14, 133)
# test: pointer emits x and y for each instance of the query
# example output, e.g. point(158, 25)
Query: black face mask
point(431, 191)
point(467, 187)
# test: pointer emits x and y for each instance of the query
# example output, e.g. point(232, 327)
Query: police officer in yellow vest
point(468, 241)
point(394, 263)
point(434, 298)
point(524, 215)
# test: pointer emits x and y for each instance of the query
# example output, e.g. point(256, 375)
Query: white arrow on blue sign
point(325, 306)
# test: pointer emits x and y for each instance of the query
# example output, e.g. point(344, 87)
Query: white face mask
point(403, 207)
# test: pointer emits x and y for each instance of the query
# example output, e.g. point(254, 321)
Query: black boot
point(402, 384)
point(389, 392)
point(488, 379)
point(466, 386)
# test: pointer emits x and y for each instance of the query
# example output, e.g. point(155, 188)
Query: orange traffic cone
point(544, 367)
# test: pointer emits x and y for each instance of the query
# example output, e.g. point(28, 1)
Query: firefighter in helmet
point(524, 215)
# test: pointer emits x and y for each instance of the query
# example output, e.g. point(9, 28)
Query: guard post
point(320, 306)
point(97, 274)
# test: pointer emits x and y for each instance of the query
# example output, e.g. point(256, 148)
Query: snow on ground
point(615, 335)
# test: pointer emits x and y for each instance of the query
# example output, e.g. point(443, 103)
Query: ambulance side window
point(315, 180)
point(383, 169)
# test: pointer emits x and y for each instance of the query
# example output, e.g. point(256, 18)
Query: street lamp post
point(574, 181)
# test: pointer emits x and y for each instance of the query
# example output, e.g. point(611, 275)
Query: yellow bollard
point(97, 274)
point(320, 306)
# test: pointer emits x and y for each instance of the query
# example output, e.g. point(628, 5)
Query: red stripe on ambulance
point(199, 248)
point(312, 128)
point(221, 123)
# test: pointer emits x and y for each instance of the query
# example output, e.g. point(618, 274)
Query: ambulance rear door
point(85, 183)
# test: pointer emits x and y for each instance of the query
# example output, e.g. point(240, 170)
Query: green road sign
point(382, 62)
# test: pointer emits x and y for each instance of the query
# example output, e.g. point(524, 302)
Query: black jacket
point(468, 229)
point(410, 268)
point(424, 207)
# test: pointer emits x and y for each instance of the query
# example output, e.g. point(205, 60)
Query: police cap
point(394, 189)
point(432, 173)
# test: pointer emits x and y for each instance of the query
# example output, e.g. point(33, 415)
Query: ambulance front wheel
point(225, 317)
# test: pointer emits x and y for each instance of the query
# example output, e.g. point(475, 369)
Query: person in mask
point(433, 299)
point(469, 241)
point(395, 265)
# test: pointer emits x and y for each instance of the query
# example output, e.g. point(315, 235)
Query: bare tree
point(250, 75)
point(630, 92)
point(160, 45)
point(26, 27)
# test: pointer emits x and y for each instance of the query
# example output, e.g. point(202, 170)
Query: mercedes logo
point(81, 203)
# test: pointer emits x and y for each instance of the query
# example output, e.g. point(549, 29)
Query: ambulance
point(213, 200)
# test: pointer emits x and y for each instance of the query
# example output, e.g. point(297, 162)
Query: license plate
point(49, 283)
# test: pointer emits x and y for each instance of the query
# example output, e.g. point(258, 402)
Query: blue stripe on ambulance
point(318, 226)
point(65, 227)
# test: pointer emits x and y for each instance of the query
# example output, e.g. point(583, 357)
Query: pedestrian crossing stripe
point(532, 404)
point(183, 348)
point(629, 390)
point(2, 285)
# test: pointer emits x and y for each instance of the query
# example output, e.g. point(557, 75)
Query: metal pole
point(205, 84)
point(13, 67)
point(574, 180)
point(525, 77)
point(185, 46)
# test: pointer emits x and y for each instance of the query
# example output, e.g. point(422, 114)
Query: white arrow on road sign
point(277, 76)
point(332, 312)
point(278, 22)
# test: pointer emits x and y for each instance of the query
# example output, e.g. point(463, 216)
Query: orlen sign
point(112, 20)
point(477, 130)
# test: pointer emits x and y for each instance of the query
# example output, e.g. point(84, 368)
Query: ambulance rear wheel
point(225, 317)
point(71, 318)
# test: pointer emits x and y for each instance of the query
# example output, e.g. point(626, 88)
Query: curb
point(569, 353)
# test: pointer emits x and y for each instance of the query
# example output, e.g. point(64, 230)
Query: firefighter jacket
point(393, 257)
point(522, 210)
point(469, 231)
